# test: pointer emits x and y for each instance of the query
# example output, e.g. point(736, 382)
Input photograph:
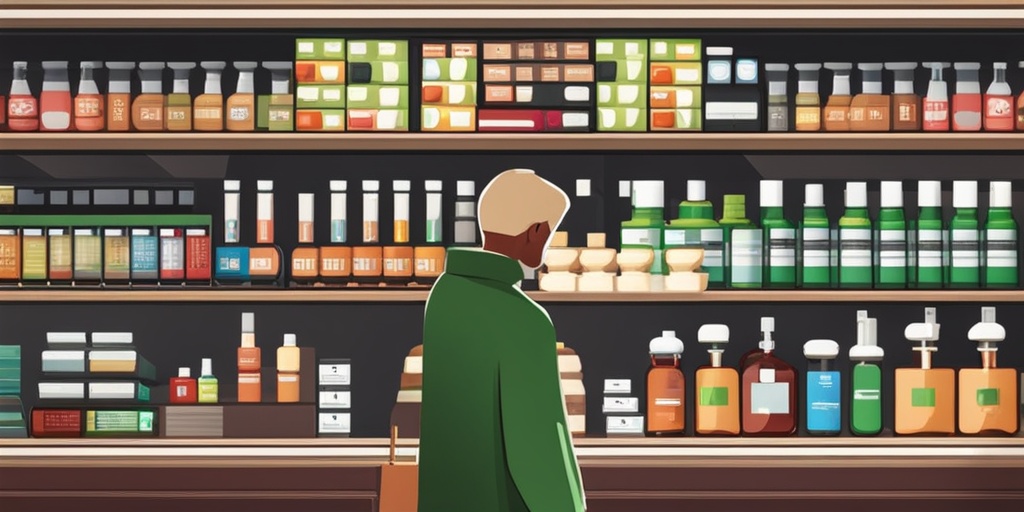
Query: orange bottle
point(249, 385)
point(717, 410)
point(265, 257)
point(925, 396)
point(208, 108)
point(241, 106)
point(666, 387)
point(119, 96)
point(306, 257)
point(89, 116)
point(398, 257)
point(148, 107)
point(988, 396)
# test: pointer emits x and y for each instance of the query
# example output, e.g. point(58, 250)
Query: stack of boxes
point(570, 370)
point(378, 92)
point(676, 93)
point(621, 85)
point(320, 85)
point(12, 416)
point(621, 411)
point(449, 87)
point(334, 404)
point(537, 86)
point(406, 413)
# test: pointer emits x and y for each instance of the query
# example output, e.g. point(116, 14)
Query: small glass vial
point(465, 214)
point(666, 387)
point(778, 99)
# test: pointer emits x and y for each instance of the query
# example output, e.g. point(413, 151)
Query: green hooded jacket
point(493, 435)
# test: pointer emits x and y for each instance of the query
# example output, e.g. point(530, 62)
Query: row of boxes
point(621, 410)
point(676, 78)
point(320, 72)
point(622, 85)
point(449, 93)
point(334, 398)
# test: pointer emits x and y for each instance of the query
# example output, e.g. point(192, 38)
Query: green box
point(622, 95)
point(378, 50)
point(440, 70)
point(378, 96)
point(616, 119)
point(10, 352)
point(468, 91)
point(676, 50)
point(626, 72)
point(320, 96)
point(326, 115)
point(922, 397)
point(275, 112)
point(682, 124)
point(685, 97)
point(320, 49)
point(988, 397)
point(718, 396)
point(621, 49)
point(378, 73)
point(401, 120)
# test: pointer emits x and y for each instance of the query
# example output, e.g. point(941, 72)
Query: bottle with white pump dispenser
point(866, 380)
point(717, 409)
point(925, 396)
point(824, 388)
point(988, 396)
point(769, 390)
point(666, 387)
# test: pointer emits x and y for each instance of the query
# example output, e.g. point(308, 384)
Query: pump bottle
point(824, 388)
point(906, 105)
point(808, 101)
point(866, 387)
point(666, 387)
point(241, 106)
point(208, 109)
point(891, 237)
point(1001, 251)
point(779, 238)
point(999, 102)
point(769, 390)
point(869, 110)
point(815, 240)
point(148, 107)
point(965, 254)
point(925, 396)
point(988, 399)
point(855, 239)
point(717, 410)
point(179, 101)
point(967, 101)
point(89, 116)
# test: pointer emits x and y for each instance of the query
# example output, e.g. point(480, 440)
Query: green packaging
point(779, 238)
point(320, 49)
point(814, 249)
point(276, 111)
point(674, 50)
point(616, 50)
point(891, 238)
point(743, 244)
point(622, 119)
point(855, 239)
point(929, 251)
point(696, 228)
point(320, 96)
point(622, 95)
point(647, 225)
point(1001, 250)
point(965, 251)
point(449, 70)
point(378, 96)
point(378, 50)
point(866, 386)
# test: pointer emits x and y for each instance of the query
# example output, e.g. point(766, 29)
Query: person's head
point(518, 213)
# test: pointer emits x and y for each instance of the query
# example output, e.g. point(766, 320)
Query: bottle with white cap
point(779, 237)
point(769, 390)
point(208, 387)
point(647, 225)
point(866, 381)
point(999, 115)
point(696, 228)
point(666, 387)
point(814, 244)
point(988, 396)
point(928, 238)
point(824, 388)
point(855, 244)
point(743, 244)
point(891, 237)
point(925, 396)
point(288, 357)
point(717, 409)
point(870, 110)
point(398, 257)
point(965, 251)
point(1000, 252)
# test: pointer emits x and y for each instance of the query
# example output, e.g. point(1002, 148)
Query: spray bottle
point(988, 397)
point(866, 402)
point(925, 396)
point(717, 410)
point(936, 102)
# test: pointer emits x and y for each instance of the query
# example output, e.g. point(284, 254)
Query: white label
point(892, 248)
point(964, 248)
point(624, 424)
point(769, 398)
point(730, 110)
point(1001, 248)
point(647, 237)
point(745, 256)
point(335, 374)
point(617, 386)
point(667, 402)
point(782, 247)
point(613, 404)
point(335, 399)
point(854, 247)
point(766, 375)
point(929, 248)
point(816, 247)
point(335, 423)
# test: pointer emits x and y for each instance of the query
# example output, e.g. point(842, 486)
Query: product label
point(145, 256)
point(207, 113)
point(906, 112)
point(1001, 248)
point(892, 248)
point(778, 118)
point(177, 113)
point(231, 231)
point(782, 247)
point(338, 231)
point(988, 397)
point(816, 246)
point(34, 262)
point(808, 117)
point(714, 396)
point(60, 257)
point(198, 259)
point(964, 248)
point(709, 239)
point(118, 257)
point(88, 256)
point(239, 113)
point(769, 398)
point(88, 107)
point(854, 247)
point(823, 399)
point(936, 111)
point(172, 254)
point(180, 391)
point(998, 107)
point(10, 257)
point(118, 114)
point(929, 248)
point(636, 237)
point(151, 114)
point(922, 397)
point(745, 256)
point(22, 107)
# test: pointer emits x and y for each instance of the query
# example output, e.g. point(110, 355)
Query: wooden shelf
point(533, 14)
point(418, 296)
point(428, 142)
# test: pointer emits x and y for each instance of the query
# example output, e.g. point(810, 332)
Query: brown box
point(269, 421)
point(307, 375)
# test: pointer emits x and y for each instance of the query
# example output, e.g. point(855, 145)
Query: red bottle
point(22, 107)
point(666, 387)
point(999, 102)
point(183, 389)
point(55, 104)
point(769, 391)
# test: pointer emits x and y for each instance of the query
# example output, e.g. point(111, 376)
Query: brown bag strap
point(394, 441)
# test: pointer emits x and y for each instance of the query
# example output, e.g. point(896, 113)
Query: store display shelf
point(612, 4)
point(14, 142)
point(420, 295)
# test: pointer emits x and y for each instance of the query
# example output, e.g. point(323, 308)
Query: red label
point(998, 106)
point(56, 423)
point(88, 107)
point(936, 115)
point(22, 107)
point(198, 258)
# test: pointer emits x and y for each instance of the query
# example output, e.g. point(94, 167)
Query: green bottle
point(208, 389)
point(866, 382)
point(646, 228)
point(965, 251)
point(891, 252)
point(1001, 251)
point(779, 238)
point(815, 240)
point(696, 227)
point(855, 239)
point(742, 244)
point(928, 237)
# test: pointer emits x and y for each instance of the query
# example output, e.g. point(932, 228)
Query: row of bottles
point(760, 399)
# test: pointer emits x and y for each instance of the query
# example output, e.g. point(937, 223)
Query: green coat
point(493, 435)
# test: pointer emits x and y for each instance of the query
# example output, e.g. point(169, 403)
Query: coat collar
point(483, 265)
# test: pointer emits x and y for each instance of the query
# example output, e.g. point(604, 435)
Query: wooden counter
point(839, 474)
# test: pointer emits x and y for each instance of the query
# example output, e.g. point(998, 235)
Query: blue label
point(339, 230)
point(145, 256)
point(824, 392)
point(232, 263)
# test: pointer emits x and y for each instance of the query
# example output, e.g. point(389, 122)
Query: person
point(493, 434)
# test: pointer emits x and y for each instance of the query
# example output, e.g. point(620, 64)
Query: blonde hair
point(517, 199)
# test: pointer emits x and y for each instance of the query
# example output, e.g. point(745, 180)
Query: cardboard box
point(682, 119)
point(378, 72)
point(449, 70)
point(537, 50)
point(619, 119)
point(319, 49)
point(378, 50)
point(540, 95)
point(626, 71)
point(675, 50)
point(320, 120)
point(676, 97)
point(676, 73)
point(320, 72)
point(441, 50)
point(378, 96)
point(320, 96)
point(621, 49)
point(622, 95)
point(528, 73)
point(516, 120)
point(450, 93)
point(448, 119)
point(269, 421)
point(378, 120)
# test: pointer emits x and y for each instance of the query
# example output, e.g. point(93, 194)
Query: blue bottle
point(824, 388)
